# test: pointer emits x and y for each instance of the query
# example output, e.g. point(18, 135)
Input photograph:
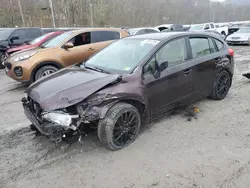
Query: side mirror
point(68, 45)
point(15, 37)
point(162, 65)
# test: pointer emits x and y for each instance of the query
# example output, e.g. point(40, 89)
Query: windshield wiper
point(97, 69)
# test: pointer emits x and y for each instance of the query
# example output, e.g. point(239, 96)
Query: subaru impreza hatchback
point(130, 82)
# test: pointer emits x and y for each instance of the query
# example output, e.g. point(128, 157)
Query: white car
point(209, 26)
point(242, 36)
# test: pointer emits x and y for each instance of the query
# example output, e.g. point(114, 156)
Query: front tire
point(2, 58)
point(120, 127)
point(221, 86)
point(45, 71)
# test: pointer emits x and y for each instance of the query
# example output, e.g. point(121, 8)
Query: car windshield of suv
point(4, 34)
point(122, 56)
point(39, 39)
point(57, 40)
point(244, 30)
point(196, 27)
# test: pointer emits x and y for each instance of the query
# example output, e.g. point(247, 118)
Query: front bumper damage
point(57, 125)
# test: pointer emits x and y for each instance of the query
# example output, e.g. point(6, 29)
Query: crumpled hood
point(22, 47)
point(67, 87)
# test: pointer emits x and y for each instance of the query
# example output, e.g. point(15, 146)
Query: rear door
point(175, 85)
point(101, 39)
point(204, 57)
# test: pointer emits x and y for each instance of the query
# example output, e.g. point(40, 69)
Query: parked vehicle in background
point(69, 48)
point(242, 36)
point(233, 28)
point(209, 26)
point(174, 27)
point(140, 31)
point(132, 81)
point(13, 37)
point(34, 43)
point(216, 33)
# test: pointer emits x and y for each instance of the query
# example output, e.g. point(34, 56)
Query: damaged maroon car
point(132, 81)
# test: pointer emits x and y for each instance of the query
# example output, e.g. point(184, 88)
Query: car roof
point(95, 29)
point(165, 36)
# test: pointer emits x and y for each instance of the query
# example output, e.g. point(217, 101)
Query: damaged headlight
point(59, 117)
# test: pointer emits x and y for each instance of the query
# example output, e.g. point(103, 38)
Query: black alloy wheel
point(126, 128)
point(222, 85)
point(120, 127)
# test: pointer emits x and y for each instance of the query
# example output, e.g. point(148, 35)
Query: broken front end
point(68, 123)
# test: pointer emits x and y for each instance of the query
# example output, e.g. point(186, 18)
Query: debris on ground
point(247, 75)
point(191, 113)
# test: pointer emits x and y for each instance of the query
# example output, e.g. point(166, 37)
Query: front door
point(80, 52)
point(175, 84)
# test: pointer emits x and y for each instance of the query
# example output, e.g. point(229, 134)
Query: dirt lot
point(211, 151)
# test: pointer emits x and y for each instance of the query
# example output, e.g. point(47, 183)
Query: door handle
point(91, 49)
point(187, 72)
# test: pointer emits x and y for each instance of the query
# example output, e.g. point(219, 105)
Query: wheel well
point(33, 74)
point(140, 106)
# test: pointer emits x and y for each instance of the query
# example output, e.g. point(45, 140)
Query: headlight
point(60, 118)
point(24, 57)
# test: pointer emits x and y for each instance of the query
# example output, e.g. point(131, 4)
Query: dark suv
point(131, 81)
point(12, 37)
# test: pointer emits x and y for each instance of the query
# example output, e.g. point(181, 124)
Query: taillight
point(231, 52)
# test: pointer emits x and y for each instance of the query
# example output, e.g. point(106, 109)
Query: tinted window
point(200, 47)
point(174, 52)
point(219, 44)
point(100, 36)
point(20, 33)
point(212, 46)
point(33, 33)
point(212, 25)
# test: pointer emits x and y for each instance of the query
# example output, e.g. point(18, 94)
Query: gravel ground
point(210, 151)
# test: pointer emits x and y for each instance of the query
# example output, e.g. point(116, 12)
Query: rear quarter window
point(219, 44)
point(33, 33)
point(100, 36)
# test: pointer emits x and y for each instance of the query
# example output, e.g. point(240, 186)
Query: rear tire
point(120, 127)
point(221, 86)
point(45, 71)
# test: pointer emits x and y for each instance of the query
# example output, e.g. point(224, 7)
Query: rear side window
point(200, 47)
point(100, 36)
point(219, 44)
point(150, 31)
point(212, 25)
point(33, 33)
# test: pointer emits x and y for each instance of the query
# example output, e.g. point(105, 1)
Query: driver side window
point(81, 39)
point(174, 52)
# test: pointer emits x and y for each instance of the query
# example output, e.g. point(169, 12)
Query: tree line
point(118, 13)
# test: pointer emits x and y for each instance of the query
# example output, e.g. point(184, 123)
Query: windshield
point(244, 30)
point(57, 40)
point(39, 39)
point(122, 56)
point(4, 34)
point(196, 27)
